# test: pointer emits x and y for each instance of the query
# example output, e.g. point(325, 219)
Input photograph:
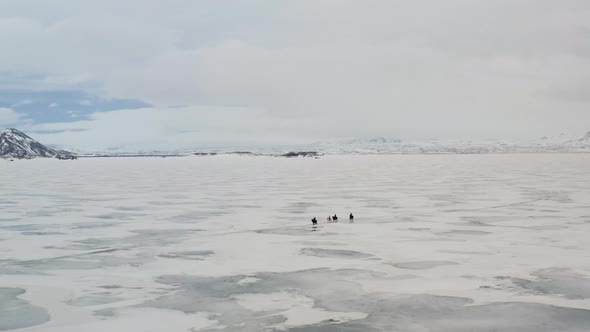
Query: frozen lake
point(445, 243)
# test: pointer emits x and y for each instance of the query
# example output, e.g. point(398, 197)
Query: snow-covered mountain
point(14, 143)
point(379, 145)
point(586, 138)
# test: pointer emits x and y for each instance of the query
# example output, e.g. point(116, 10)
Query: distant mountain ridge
point(586, 137)
point(382, 145)
point(14, 143)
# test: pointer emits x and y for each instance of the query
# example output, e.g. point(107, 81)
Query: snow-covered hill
point(380, 145)
point(14, 143)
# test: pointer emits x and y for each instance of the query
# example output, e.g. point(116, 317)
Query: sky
point(181, 74)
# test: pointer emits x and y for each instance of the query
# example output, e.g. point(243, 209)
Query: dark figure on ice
point(329, 219)
point(335, 218)
point(314, 221)
point(351, 218)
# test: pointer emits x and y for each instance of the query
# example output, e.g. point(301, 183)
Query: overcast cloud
point(201, 73)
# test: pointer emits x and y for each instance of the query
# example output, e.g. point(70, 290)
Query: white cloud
point(53, 105)
point(379, 89)
point(168, 128)
point(315, 68)
point(22, 103)
point(9, 117)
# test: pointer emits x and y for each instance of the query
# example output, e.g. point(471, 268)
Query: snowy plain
point(446, 243)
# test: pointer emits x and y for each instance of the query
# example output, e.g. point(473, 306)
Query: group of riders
point(333, 218)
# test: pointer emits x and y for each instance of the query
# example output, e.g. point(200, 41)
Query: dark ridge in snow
point(14, 143)
point(205, 153)
point(301, 154)
point(243, 153)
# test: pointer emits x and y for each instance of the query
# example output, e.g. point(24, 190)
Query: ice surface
point(429, 313)
point(191, 254)
point(440, 243)
point(16, 313)
point(320, 252)
point(557, 281)
point(424, 265)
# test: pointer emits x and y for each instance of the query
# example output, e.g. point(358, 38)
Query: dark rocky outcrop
point(294, 154)
point(205, 153)
point(14, 143)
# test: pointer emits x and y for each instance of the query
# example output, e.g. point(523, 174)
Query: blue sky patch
point(61, 106)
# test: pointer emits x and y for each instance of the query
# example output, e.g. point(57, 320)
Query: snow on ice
point(451, 243)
